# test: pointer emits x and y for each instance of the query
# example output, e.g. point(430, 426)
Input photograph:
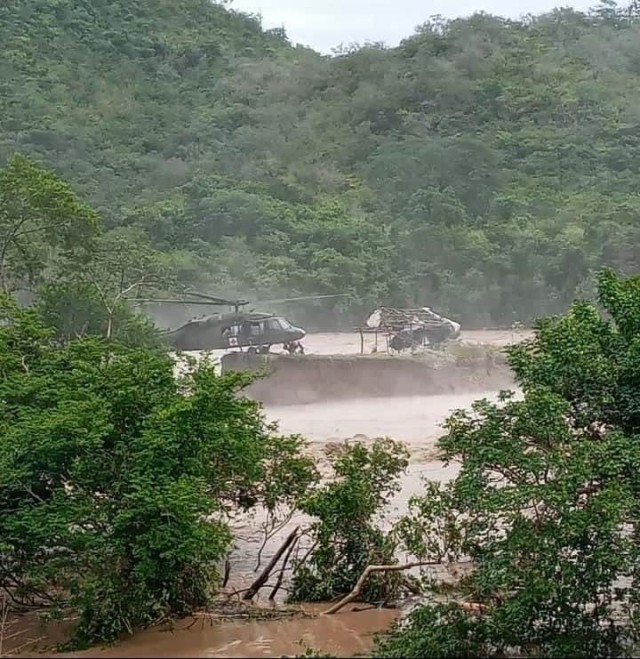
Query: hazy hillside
point(485, 167)
point(121, 95)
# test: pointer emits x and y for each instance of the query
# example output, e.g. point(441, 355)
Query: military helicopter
point(256, 331)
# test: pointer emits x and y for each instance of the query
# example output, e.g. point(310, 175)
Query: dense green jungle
point(485, 167)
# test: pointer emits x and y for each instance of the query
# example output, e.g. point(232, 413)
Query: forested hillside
point(485, 167)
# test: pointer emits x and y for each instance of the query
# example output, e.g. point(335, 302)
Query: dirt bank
point(309, 379)
point(348, 343)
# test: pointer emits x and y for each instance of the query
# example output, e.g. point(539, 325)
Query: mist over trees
point(485, 166)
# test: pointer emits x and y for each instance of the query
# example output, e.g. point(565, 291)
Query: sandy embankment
point(334, 369)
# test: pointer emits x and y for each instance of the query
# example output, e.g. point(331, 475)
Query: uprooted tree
point(116, 477)
point(545, 507)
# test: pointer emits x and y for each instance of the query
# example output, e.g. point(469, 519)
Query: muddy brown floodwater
point(415, 420)
point(348, 343)
point(347, 634)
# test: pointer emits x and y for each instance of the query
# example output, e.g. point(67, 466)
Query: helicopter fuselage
point(234, 330)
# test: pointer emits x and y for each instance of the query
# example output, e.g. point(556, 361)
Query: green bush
point(115, 476)
point(545, 506)
point(345, 533)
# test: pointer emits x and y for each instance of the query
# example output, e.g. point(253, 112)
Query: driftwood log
point(285, 562)
point(365, 575)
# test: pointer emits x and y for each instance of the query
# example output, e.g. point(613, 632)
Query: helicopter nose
point(300, 333)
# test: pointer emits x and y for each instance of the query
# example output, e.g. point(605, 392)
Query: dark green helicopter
point(256, 331)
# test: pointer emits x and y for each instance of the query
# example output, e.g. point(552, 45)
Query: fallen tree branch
point(276, 527)
point(264, 575)
point(276, 588)
point(365, 575)
point(307, 554)
point(32, 641)
point(227, 572)
point(411, 586)
point(4, 616)
point(240, 591)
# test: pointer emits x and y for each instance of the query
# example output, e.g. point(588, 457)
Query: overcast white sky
point(324, 24)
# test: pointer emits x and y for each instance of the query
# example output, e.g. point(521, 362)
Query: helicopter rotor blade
point(218, 300)
point(304, 297)
point(211, 301)
point(206, 300)
point(172, 301)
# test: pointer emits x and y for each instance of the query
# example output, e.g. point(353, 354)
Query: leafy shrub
point(434, 631)
point(345, 535)
point(114, 476)
point(545, 506)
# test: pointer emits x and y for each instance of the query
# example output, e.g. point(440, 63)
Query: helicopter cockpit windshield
point(278, 324)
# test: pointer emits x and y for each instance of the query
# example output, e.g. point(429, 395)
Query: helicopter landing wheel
point(264, 350)
point(252, 350)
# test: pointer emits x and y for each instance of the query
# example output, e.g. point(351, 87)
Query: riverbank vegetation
point(119, 483)
point(118, 479)
point(545, 508)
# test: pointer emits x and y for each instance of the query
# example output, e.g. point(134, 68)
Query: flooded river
point(348, 343)
point(346, 634)
point(415, 420)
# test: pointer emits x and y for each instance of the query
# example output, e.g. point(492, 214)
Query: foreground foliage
point(346, 531)
point(546, 503)
point(115, 477)
point(44, 227)
point(54, 251)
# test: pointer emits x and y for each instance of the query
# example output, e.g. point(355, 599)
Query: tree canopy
point(117, 478)
point(545, 507)
point(485, 166)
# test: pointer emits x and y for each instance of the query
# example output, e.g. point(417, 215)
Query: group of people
point(294, 348)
